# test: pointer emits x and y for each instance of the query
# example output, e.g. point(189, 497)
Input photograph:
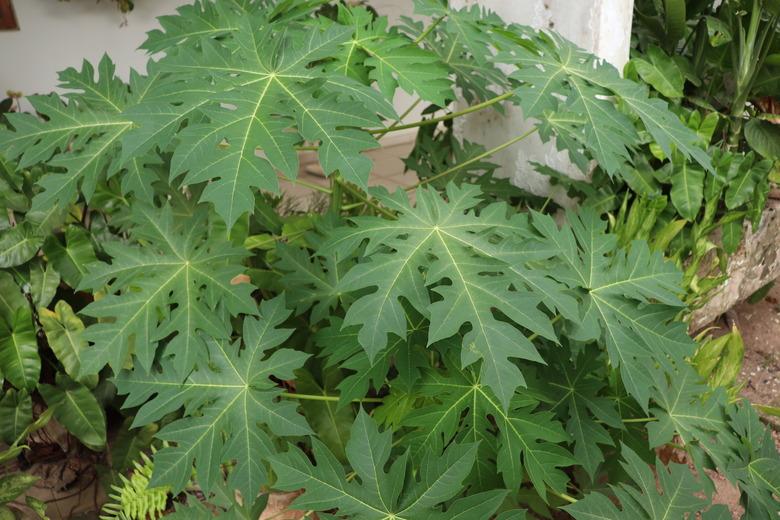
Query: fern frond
point(134, 499)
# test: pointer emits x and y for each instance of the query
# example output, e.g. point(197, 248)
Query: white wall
point(55, 35)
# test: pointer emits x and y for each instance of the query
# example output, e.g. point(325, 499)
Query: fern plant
point(452, 357)
point(133, 499)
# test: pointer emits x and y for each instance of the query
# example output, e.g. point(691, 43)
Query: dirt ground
point(759, 324)
point(760, 327)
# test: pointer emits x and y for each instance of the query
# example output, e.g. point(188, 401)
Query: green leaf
point(18, 245)
point(329, 421)
point(11, 298)
point(19, 359)
point(462, 41)
point(308, 283)
point(64, 331)
point(685, 408)
point(674, 20)
point(379, 492)
point(73, 137)
point(661, 72)
point(526, 443)
point(106, 93)
point(129, 444)
point(741, 188)
point(77, 410)
point(342, 349)
point(178, 282)
point(14, 485)
point(568, 89)
point(225, 401)
point(44, 280)
point(576, 399)
point(191, 22)
point(764, 138)
point(641, 180)
point(450, 242)
point(680, 495)
point(747, 455)
point(687, 189)
point(731, 236)
point(37, 505)
point(262, 73)
point(391, 59)
point(71, 260)
point(15, 414)
point(718, 31)
point(630, 299)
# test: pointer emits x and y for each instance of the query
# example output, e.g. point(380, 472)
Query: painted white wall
point(55, 35)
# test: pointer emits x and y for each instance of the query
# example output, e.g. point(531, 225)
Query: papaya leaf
point(527, 443)
point(381, 491)
point(225, 401)
point(178, 267)
point(680, 494)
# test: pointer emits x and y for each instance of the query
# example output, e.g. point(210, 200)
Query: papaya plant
point(436, 352)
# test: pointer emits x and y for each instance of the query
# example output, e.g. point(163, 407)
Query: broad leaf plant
point(437, 352)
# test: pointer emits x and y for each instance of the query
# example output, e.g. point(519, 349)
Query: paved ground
point(388, 172)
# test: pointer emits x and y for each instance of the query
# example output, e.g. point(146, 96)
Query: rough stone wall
point(755, 264)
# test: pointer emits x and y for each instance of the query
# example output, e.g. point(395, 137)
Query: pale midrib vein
point(338, 490)
point(69, 397)
point(476, 315)
point(18, 352)
point(508, 422)
point(63, 129)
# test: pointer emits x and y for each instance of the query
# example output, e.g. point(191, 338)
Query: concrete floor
point(388, 172)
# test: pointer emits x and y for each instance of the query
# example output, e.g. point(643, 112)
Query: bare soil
point(760, 327)
point(759, 324)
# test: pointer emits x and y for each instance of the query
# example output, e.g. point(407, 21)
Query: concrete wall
point(55, 35)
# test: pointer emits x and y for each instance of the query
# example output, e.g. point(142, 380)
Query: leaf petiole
point(330, 398)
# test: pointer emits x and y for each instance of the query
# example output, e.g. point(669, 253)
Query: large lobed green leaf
point(230, 405)
point(177, 283)
point(465, 410)
point(243, 84)
point(450, 243)
point(456, 266)
point(680, 494)
point(630, 298)
point(382, 490)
